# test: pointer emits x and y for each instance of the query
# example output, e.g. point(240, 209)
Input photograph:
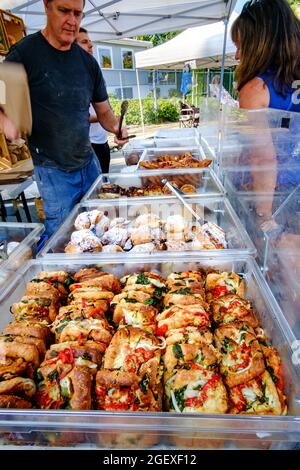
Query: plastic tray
point(177, 138)
point(205, 181)
point(97, 429)
point(151, 154)
point(27, 235)
point(132, 151)
point(213, 209)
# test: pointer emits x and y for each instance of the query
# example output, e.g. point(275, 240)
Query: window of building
point(105, 57)
point(167, 78)
point(127, 93)
point(127, 59)
point(162, 77)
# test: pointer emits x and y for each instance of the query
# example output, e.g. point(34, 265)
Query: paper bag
point(14, 95)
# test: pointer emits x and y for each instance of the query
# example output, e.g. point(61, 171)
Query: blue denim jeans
point(61, 190)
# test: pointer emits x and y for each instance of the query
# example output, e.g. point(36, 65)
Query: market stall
point(146, 321)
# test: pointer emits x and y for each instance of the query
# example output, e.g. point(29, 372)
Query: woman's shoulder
point(254, 94)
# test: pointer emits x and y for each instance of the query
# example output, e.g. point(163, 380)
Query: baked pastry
point(29, 328)
point(119, 222)
point(184, 279)
point(180, 316)
point(85, 295)
point(149, 220)
point(189, 335)
point(257, 396)
point(65, 389)
point(196, 390)
point(188, 189)
point(175, 224)
point(189, 356)
point(87, 329)
point(115, 236)
point(11, 401)
point(100, 279)
point(110, 191)
point(112, 249)
point(136, 351)
point(242, 358)
point(137, 314)
point(102, 226)
point(87, 220)
point(144, 248)
point(18, 386)
point(216, 234)
point(123, 391)
point(71, 248)
point(231, 307)
point(86, 353)
point(36, 308)
point(176, 246)
point(184, 296)
point(13, 349)
point(219, 284)
point(143, 279)
point(86, 240)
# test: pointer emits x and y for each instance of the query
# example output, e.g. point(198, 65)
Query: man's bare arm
point(109, 121)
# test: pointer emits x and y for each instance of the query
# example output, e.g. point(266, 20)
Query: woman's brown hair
point(268, 34)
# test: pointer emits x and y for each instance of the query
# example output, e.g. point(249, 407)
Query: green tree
point(157, 39)
point(295, 4)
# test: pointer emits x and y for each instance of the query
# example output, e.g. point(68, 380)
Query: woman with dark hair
point(267, 37)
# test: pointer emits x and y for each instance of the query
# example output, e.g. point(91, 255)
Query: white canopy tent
point(114, 19)
point(203, 45)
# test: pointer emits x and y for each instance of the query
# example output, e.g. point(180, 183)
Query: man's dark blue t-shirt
point(62, 85)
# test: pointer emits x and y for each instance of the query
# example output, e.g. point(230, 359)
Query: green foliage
point(157, 39)
point(173, 93)
point(168, 111)
point(295, 4)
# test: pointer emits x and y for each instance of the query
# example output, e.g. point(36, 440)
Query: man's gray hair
point(49, 1)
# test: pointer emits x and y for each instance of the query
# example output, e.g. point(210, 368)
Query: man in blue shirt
point(63, 81)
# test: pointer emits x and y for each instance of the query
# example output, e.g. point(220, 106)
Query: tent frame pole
point(221, 115)
point(223, 59)
point(140, 101)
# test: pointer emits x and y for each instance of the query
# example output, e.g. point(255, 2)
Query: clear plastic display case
point(132, 151)
point(205, 182)
point(212, 209)
point(18, 243)
point(152, 154)
point(281, 263)
point(97, 429)
point(167, 138)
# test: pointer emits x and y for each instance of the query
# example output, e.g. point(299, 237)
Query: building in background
point(116, 59)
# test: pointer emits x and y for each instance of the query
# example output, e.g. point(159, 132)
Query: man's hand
point(8, 128)
point(124, 139)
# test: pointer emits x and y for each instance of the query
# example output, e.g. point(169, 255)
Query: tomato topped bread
point(242, 357)
point(231, 307)
point(219, 284)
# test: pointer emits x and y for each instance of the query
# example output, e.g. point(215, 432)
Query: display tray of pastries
point(114, 191)
point(184, 160)
point(182, 343)
point(95, 232)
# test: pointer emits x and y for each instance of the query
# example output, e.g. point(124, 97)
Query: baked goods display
point(186, 160)
point(114, 191)
point(188, 343)
point(145, 234)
